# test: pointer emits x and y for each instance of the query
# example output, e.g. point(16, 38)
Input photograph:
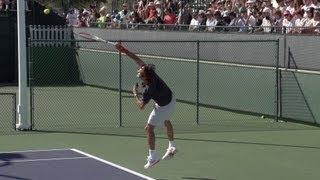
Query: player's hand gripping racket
point(138, 89)
point(93, 37)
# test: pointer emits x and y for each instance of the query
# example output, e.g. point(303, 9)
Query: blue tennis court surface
point(61, 164)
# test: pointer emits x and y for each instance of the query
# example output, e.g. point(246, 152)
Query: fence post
point(120, 89)
point(277, 82)
point(197, 103)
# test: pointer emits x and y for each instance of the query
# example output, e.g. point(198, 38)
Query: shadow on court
point(6, 158)
point(13, 177)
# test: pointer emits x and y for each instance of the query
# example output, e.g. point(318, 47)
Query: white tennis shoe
point(171, 151)
point(151, 162)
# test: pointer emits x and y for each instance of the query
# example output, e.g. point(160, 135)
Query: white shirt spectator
point(266, 23)
point(194, 24)
point(242, 24)
point(307, 5)
point(72, 18)
point(287, 24)
point(211, 23)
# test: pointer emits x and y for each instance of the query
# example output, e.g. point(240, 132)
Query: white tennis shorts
point(161, 113)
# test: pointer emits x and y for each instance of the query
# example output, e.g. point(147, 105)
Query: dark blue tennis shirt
point(158, 91)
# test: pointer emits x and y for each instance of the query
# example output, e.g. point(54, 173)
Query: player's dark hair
point(149, 69)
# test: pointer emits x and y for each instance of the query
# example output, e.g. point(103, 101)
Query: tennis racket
point(93, 37)
point(139, 88)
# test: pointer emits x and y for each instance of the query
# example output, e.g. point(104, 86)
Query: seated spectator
point(307, 5)
point(72, 17)
point(169, 17)
point(290, 6)
point(298, 21)
point(233, 22)
point(194, 24)
point(313, 27)
point(102, 20)
point(159, 9)
point(251, 6)
point(135, 18)
point(277, 22)
point(219, 23)
point(211, 22)
point(267, 20)
point(124, 13)
point(287, 22)
point(184, 16)
point(242, 21)
point(202, 20)
point(4, 5)
point(307, 21)
point(151, 15)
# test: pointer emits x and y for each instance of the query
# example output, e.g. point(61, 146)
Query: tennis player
point(157, 90)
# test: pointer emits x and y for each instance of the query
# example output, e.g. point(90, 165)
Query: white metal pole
point(23, 108)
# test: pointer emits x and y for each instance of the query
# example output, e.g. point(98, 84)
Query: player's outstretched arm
point(135, 58)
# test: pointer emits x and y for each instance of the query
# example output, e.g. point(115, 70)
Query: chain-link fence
point(7, 112)
point(219, 85)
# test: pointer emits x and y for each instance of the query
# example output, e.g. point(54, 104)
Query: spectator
point(290, 6)
point(135, 18)
point(169, 17)
point(313, 24)
point(124, 13)
point(242, 20)
point(151, 15)
point(72, 17)
point(287, 23)
point(267, 20)
point(184, 15)
point(102, 20)
point(219, 23)
point(194, 24)
point(233, 22)
point(202, 20)
point(82, 21)
point(159, 9)
point(251, 6)
point(4, 5)
point(211, 22)
point(307, 21)
point(277, 22)
point(307, 4)
point(298, 21)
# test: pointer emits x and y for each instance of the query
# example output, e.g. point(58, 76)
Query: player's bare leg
point(150, 136)
point(171, 151)
point(152, 158)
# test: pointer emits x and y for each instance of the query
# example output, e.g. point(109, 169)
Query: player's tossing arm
point(136, 59)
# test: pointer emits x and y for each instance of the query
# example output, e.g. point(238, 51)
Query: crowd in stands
point(8, 5)
point(250, 16)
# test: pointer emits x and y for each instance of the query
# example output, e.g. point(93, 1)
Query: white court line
point(48, 159)
point(114, 165)
point(31, 150)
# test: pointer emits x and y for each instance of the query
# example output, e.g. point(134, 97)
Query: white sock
point(172, 144)
point(152, 153)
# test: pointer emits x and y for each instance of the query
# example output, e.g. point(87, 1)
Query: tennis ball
point(46, 11)
point(262, 116)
